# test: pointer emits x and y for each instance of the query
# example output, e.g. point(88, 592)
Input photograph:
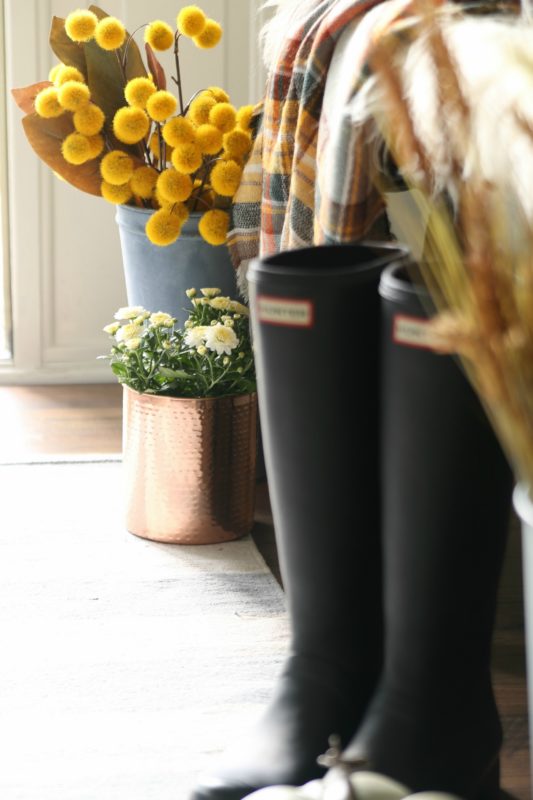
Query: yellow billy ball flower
point(213, 226)
point(159, 35)
point(96, 144)
point(143, 181)
point(130, 125)
point(201, 107)
point(191, 21)
point(161, 105)
point(244, 117)
point(66, 73)
point(73, 95)
point(210, 36)
point(52, 75)
point(209, 139)
point(181, 211)
point(163, 227)
point(179, 130)
point(224, 116)
point(80, 25)
point(138, 90)
point(174, 187)
point(116, 167)
point(76, 149)
point(219, 94)
point(187, 158)
point(115, 194)
point(89, 120)
point(226, 177)
point(47, 104)
point(110, 33)
point(237, 142)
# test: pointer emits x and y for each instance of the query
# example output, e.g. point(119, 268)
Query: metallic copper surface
point(189, 467)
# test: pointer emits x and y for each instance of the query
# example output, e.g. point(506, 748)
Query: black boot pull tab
point(337, 782)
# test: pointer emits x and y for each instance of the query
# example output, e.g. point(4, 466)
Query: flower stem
point(177, 79)
point(130, 39)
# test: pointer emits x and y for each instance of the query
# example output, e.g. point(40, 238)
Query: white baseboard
point(55, 374)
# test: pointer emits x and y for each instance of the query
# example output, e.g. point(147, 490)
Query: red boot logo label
point(284, 311)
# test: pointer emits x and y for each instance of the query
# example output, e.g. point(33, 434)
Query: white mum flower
point(112, 328)
point(128, 332)
point(239, 308)
point(210, 292)
point(130, 312)
point(160, 319)
point(194, 337)
point(133, 344)
point(221, 339)
point(220, 303)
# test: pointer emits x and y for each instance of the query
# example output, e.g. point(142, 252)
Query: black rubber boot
point(315, 316)
point(433, 724)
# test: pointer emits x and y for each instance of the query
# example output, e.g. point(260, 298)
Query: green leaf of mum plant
point(45, 137)
point(173, 373)
point(120, 370)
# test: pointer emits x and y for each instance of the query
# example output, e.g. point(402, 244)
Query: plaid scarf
point(303, 182)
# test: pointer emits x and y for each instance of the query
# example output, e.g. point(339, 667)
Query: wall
point(65, 257)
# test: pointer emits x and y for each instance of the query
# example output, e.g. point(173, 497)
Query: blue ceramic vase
point(157, 277)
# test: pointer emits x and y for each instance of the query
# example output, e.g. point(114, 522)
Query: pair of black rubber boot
point(390, 498)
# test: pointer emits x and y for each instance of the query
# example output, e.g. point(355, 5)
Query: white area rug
point(125, 665)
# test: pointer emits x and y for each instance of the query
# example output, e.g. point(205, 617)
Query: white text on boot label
point(413, 332)
point(280, 311)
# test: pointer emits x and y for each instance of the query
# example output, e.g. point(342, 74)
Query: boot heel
point(489, 787)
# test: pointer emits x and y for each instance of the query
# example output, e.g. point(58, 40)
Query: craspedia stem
point(177, 80)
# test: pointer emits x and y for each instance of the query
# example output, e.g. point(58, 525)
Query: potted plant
point(107, 123)
point(189, 430)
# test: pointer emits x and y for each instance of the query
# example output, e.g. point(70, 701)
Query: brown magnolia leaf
point(25, 96)
point(67, 51)
point(45, 137)
point(106, 79)
point(106, 83)
point(155, 68)
point(135, 67)
point(99, 12)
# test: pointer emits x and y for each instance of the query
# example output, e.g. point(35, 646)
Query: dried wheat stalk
point(481, 284)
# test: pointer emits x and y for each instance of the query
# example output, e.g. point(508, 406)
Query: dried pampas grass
point(455, 108)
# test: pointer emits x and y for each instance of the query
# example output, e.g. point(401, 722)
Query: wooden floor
point(40, 421)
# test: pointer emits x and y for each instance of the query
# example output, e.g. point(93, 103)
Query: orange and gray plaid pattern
point(284, 200)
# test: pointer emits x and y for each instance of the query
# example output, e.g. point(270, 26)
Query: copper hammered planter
point(189, 467)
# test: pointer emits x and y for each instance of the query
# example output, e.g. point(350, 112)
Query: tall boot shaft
point(447, 495)
point(315, 315)
point(316, 329)
point(433, 724)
